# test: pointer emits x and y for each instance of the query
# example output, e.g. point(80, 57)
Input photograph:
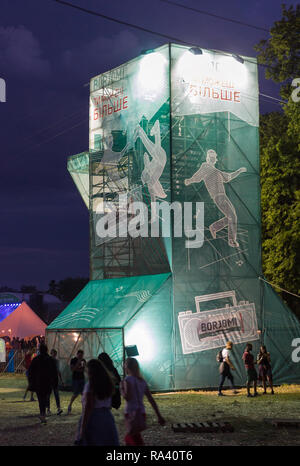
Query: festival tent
point(22, 323)
point(108, 315)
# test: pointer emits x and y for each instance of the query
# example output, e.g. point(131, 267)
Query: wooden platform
point(277, 422)
point(203, 426)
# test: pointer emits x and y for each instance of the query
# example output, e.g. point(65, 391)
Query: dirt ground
point(19, 423)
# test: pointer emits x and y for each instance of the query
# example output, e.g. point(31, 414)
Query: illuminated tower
point(176, 126)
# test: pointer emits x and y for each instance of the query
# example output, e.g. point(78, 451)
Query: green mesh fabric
point(195, 117)
point(108, 314)
point(109, 303)
point(78, 167)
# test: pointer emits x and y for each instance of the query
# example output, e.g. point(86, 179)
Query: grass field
point(19, 423)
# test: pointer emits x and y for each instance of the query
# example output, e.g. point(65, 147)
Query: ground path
point(19, 424)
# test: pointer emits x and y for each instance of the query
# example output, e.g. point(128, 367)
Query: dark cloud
point(99, 54)
point(20, 53)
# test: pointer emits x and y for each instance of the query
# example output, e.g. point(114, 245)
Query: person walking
point(77, 365)
point(42, 376)
point(53, 354)
point(251, 371)
point(225, 368)
point(106, 360)
point(264, 369)
point(27, 361)
point(133, 389)
point(97, 424)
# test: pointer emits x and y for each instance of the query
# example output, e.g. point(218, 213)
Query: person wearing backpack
point(133, 389)
point(225, 367)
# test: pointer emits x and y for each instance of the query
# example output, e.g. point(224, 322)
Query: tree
point(280, 203)
point(28, 289)
point(281, 52)
point(280, 164)
point(67, 289)
point(52, 288)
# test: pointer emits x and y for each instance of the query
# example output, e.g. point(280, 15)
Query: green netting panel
point(110, 313)
point(181, 127)
point(215, 160)
point(281, 329)
point(129, 112)
point(151, 329)
point(109, 303)
point(78, 167)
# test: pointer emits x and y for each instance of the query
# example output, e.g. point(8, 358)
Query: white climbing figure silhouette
point(153, 168)
point(214, 180)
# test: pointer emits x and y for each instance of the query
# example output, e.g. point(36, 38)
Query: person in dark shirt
point(27, 362)
point(251, 371)
point(77, 365)
point(53, 354)
point(42, 376)
point(264, 369)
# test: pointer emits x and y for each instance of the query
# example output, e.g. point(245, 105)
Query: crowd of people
point(101, 388)
point(101, 391)
point(22, 344)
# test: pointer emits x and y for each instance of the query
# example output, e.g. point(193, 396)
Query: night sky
point(47, 53)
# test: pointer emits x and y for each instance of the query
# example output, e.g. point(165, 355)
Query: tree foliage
point(281, 52)
point(67, 289)
point(280, 203)
point(280, 163)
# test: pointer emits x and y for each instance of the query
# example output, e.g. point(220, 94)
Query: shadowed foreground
point(19, 423)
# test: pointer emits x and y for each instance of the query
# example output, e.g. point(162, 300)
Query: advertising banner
point(211, 329)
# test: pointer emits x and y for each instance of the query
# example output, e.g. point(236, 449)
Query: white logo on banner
point(142, 296)
point(206, 330)
point(85, 313)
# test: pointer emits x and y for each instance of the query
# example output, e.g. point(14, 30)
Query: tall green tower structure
point(174, 134)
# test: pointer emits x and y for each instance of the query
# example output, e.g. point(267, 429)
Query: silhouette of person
point(214, 180)
point(153, 168)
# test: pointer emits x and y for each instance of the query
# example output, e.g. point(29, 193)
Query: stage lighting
point(131, 351)
point(152, 76)
point(196, 51)
point(238, 58)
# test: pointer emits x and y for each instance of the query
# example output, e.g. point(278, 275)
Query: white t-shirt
point(138, 388)
point(105, 403)
point(225, 353)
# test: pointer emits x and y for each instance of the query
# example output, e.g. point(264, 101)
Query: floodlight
point(196, 50)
